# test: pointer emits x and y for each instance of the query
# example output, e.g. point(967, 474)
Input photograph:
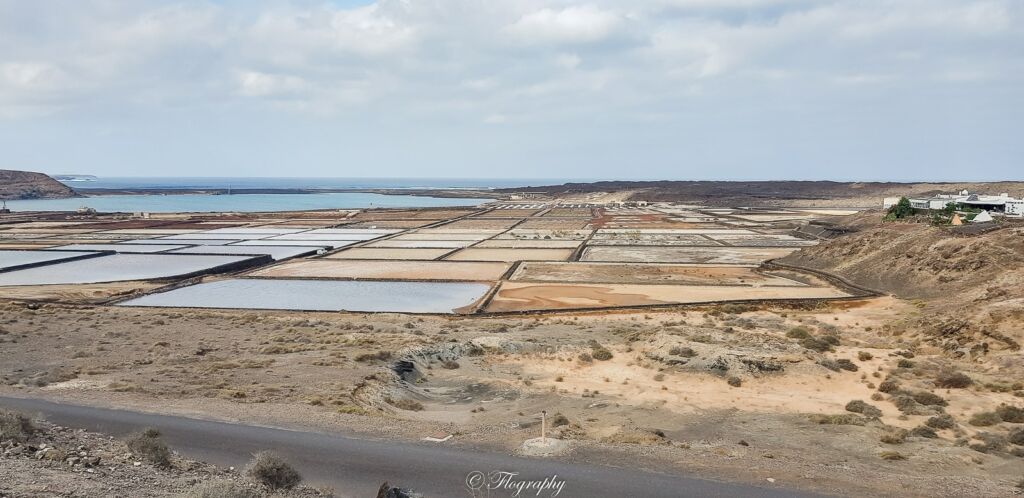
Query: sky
point(640, 89)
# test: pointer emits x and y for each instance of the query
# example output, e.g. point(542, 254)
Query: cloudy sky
point(655, 89)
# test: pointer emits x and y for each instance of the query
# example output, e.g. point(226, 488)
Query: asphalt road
point(356, 467)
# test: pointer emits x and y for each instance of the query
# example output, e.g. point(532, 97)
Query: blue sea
point(266, 202)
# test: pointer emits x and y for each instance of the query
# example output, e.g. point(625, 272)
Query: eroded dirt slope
point(969, 283)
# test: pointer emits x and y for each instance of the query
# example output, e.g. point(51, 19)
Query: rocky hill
point(29, 185)
point(969, 283)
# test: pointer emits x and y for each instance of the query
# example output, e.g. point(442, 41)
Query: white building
point(1015, 207)
point(1001, 203)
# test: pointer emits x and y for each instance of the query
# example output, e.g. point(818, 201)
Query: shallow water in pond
point(11, 259)
point(117, 268)
point(321, 295)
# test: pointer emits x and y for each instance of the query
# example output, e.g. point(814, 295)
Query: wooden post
point(543, 426)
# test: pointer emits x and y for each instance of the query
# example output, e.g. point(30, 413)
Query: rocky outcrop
point(29, 185)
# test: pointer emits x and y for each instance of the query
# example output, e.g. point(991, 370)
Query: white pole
point(543, 426)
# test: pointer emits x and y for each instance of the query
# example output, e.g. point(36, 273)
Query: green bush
point(901, 209)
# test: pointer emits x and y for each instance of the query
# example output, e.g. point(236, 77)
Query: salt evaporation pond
point(119, 268)
point(319, 243)
point(127, 248)
point(275, 252)
point(13, 259)
point(321, 295)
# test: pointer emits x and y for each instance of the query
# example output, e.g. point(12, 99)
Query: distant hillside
point(969, 280)
point(29, 185)
point(771, 193)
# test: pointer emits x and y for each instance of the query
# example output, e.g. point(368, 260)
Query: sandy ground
point(474, 254)
point(386, 253)
point(708, 255)
point(663, 400)
point(76, 293)
point(529, 244)
point(641, 273)
point(442, 236)
point(525, 296)
point(385, 269)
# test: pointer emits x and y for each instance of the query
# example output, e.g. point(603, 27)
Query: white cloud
point(31, 76)
point(257, 84)
point(575, 24)
point(568, 61)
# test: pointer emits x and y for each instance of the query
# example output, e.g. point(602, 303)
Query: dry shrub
point(558, 420)
point(858, 406)
point(896, 437)
point(406, 404)
point(798, 333)
point(984, 419)
point(927, 398)
point(988, 443)
point(599, 352)
point(270, 470)
point(950, 379)
point(685, 352)
point(1011, 414)
point(378, 356)
point(891, 455)
point(223, 489)
point(148, 446)
point(923, 431)
point(1016, 437)
point(944, 421)
point(15, 426)
point(816, 344)
point(888, 386)
point(841, 419)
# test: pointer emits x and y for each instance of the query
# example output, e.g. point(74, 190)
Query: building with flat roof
point(995, 204)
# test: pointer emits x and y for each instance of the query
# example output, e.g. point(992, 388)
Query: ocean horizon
point(189, 182)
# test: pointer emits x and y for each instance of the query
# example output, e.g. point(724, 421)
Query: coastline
point(444, 193)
